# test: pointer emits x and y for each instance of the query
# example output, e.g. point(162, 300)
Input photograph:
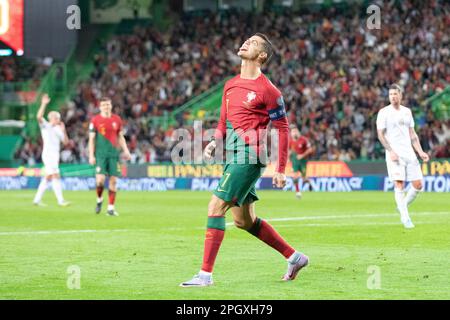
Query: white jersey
point(52, 136)
point(397, 124)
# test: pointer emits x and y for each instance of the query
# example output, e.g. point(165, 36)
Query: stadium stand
point(333, 71)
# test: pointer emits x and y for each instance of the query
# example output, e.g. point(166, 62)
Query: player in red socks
point(250, 101)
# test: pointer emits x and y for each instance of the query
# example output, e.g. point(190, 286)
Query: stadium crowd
point(14, 70)
point(333, 71)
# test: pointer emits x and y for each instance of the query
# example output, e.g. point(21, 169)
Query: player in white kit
point(395, 127)
point(53, 133)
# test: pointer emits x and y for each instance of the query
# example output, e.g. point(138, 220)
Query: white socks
point(411, 195)
point(294, 257)
point(205, 274)
point(41, 189)
point(57, 188)
point(401, 204)
point(110, 207)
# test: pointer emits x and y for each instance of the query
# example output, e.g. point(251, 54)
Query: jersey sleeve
point(308, 143)
point(119, 124)
point(92, 126)
point(411, 123)
point(44, 124)
point(381, 120)
point(220, 132)
point(276, 111)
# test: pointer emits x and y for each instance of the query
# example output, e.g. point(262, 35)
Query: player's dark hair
point(105, 99)
point(267, 47)
point(395, 86)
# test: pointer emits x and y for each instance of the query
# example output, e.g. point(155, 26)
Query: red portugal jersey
point(300, 145)
point(249, 105)
point(107, 133)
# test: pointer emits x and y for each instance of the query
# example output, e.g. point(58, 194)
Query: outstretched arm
point(416, 145)
point(45, 100)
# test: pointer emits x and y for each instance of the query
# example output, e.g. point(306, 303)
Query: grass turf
point(157, 242)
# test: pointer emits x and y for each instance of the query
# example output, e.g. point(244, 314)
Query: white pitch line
point(46, 232)
point(379, 215)
point(345, 224)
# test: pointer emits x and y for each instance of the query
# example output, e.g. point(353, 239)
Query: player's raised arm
point(45, 100)
point(123, 146)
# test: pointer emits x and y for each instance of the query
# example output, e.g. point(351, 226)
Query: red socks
point(215, 233)
point(99, 191)
point(213, 239)
point(112, 197)
point(296, 182)
point(265, 232)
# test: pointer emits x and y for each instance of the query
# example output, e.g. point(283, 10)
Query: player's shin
point(401, 203)
point(111, 199)
point(40, 192)
point(296, 181)
point(266, 233)
point(99, 191)
point(411, 195)
point(57, 189)
point(215, 232)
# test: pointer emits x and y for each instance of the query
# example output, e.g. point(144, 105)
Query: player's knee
point(418, 185)
point(216, 207)
point(242, 224)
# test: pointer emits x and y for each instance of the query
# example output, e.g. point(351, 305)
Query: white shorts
point(404, 170)
point(51, 164)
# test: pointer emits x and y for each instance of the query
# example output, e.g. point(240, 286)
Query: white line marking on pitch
point(380, 215)
point(44, 232)
point(344, 224)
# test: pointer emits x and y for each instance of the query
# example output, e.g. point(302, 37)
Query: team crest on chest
point(251, 96)
point(114, 125)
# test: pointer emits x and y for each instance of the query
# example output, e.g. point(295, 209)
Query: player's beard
point(247, 55)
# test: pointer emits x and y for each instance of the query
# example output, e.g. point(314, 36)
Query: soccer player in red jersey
point(301, 149)
point(105, 140)
point(250, 101)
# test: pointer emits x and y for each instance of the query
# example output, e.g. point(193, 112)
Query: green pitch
point(357, 246)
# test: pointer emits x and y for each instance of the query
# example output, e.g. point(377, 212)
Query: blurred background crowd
point(333, 71)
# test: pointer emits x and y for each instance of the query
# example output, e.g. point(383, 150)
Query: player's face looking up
point(252, 49)
point(105, 108)
point(395, 97)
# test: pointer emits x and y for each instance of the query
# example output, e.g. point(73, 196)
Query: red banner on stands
point(11, 24)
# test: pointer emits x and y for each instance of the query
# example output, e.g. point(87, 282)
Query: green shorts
point(238, 183)
point(298, 165)
point(108, 165)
